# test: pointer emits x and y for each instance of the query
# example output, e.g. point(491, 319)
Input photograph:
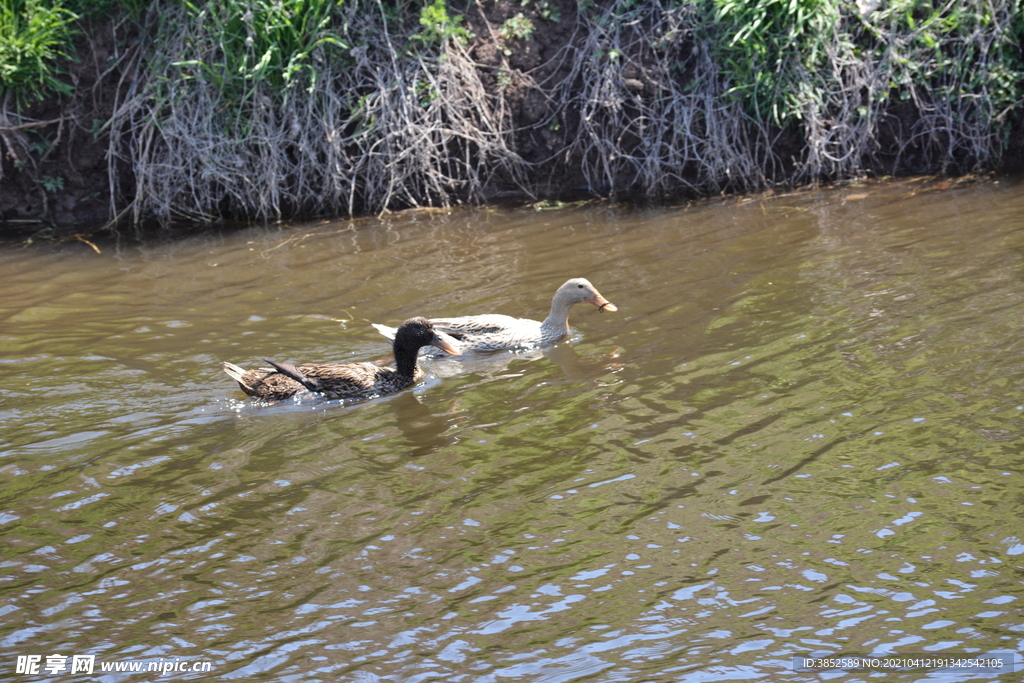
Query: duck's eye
point(580, 286)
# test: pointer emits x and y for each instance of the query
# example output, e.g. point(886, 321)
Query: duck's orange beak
point(446, 343)
point(603, 304)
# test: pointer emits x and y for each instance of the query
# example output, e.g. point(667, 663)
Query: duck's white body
point(494, 331)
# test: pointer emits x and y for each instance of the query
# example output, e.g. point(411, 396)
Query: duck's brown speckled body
point(495, 331)
point(347, 380)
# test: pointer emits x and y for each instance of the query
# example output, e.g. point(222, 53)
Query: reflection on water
point(800, 434)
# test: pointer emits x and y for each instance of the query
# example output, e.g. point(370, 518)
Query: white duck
point(495, 331)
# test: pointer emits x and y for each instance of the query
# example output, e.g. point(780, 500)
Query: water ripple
point(797, 435)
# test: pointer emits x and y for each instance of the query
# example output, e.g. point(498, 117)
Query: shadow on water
point(800, 434)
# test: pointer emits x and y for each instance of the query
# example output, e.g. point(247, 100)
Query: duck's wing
point(354, 380)
point(490, 332)
point(494, 323)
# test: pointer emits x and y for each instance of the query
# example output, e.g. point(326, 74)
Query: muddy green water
point(801, 434)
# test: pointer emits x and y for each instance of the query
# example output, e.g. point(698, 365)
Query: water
point(800, 434)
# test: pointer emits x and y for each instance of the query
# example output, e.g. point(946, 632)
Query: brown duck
point(347, 380)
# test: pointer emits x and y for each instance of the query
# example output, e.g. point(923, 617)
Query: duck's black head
point(414, 332)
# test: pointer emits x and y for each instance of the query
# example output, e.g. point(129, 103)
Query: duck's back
point(493, 331)
point(356, 380)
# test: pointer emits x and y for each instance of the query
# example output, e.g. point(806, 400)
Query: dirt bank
point(582, 107)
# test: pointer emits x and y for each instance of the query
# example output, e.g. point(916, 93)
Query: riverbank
point(230, 112)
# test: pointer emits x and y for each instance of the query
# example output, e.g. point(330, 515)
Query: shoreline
point(502, 104)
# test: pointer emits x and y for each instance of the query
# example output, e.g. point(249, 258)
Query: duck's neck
point(557, 323)
point(406, 359)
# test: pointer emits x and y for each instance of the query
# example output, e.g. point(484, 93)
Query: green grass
point(35, 36)
point(518, 27)
point(439, 26)
point(781, 55)
point(770, 47)
point(959, 49)
point(273, 41)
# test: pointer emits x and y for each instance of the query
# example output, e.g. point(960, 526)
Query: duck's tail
point(388, 332)
point(237, 374)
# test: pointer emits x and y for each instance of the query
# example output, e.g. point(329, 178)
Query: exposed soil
point(56, 171)
point(537, 61)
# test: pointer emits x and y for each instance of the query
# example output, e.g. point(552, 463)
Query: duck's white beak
point(447, 343)
point(603, 304)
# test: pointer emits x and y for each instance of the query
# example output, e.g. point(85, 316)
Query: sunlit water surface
point(800, 434)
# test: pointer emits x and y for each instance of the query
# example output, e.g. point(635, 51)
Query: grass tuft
point(34, 36)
